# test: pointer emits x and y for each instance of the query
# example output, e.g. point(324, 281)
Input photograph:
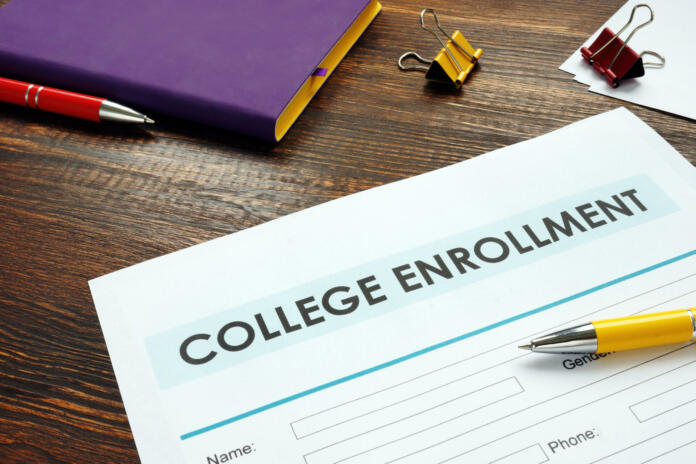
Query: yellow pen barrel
point(627, 333)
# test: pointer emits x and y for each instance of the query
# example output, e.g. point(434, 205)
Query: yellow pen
point(624, 333)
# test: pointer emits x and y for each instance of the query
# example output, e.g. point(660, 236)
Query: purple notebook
point(246, 65)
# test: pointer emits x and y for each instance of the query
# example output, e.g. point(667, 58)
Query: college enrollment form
point(383, 327)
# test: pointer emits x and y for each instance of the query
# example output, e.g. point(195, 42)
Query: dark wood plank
point(78, 200)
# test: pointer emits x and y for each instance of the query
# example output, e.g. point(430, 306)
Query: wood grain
point(78, 200)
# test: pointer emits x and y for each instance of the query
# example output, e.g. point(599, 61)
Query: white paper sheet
point(457, 267)
point(672, 35)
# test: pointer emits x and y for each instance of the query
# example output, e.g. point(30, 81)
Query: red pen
point(72, 104)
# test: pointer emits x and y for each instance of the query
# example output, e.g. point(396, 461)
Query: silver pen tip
point(149, 121)
point(525, 347)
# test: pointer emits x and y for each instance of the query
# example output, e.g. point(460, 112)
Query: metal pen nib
point(579, 339)
point(110, 111)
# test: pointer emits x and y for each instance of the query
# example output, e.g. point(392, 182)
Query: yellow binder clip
point(452, 64)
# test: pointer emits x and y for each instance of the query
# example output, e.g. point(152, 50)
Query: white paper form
point(383, 326)
point(671, 34)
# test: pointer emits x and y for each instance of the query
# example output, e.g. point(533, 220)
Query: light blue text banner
point(646, 203)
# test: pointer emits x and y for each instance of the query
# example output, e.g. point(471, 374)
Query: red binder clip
point(614, 59)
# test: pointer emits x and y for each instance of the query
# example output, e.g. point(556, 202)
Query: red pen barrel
point(50, 99)
point(67, 103)
point(12, 91)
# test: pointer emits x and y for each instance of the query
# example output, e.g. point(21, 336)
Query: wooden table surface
point(79, 200)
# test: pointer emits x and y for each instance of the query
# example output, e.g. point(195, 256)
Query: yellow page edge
point(312, 85)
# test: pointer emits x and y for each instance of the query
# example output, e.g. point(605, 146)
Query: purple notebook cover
point(234, 64)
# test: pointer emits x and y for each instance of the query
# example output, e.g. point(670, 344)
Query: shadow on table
point(237, 143)
point(78, 126)
point(141, 133)
point(435, 88)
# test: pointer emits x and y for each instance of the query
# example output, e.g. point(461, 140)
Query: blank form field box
point(665, 402)
point(531, 455)
point(370, 413)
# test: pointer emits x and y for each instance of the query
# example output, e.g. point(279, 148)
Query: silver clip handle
point(653, 64)
point(414, 67)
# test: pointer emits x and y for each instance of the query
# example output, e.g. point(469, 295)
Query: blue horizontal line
point(437, 346)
